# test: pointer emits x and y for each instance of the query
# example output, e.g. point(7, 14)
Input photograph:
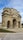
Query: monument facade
point(11, 18)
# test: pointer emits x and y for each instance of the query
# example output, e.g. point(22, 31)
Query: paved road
point(13, 36)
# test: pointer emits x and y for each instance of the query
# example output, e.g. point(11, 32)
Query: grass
point(7, 31)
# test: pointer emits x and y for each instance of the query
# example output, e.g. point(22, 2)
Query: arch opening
point(14, 23)
point(8, 24)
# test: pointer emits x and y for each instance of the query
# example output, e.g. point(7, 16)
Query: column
point(17, 24)
point(11, 24)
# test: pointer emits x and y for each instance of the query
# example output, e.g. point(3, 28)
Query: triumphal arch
point(11, 18)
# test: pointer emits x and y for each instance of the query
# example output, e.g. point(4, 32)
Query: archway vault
point(14, 22)
point(8, 24)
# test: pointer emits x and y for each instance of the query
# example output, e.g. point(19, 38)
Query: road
point(12, 36)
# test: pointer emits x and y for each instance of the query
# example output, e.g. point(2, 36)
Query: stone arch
point(5, 10)
point(8, 24)
point(14, 23)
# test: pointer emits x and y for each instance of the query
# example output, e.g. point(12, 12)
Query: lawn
point(7, 31)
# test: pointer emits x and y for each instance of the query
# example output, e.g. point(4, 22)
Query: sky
point(17, 4)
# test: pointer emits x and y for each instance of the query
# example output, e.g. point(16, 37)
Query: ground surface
point(11, 36)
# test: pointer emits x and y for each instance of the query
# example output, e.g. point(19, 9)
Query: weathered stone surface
point(11, 15)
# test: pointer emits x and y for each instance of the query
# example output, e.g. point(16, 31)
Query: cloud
point(0, 18)
point(21, 13)
point(1, 15)
point(1, 10)
point(17, 4)
point(3, 3)
point(22, 20)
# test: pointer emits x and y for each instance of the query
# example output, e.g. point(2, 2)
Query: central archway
point(14, 23)
point(8, 24)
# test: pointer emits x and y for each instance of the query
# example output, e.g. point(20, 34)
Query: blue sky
point(17, 4)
